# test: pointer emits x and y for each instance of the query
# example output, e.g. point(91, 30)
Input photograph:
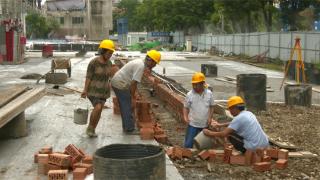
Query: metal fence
point(277, 44)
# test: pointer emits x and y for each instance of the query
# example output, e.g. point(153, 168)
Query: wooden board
point(302, 154)
point(19, 104)
point(282, 144)
point(9, 93)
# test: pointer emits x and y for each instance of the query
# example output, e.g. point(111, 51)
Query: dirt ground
point(297, 125)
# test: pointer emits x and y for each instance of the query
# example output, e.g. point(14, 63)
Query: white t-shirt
point(198, 105)
point(246, 125)
point(133, 70)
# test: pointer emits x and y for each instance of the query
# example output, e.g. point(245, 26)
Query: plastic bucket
point(202, 141)
point(80, 116)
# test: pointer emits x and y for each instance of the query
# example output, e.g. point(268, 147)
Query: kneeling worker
point(244, 131)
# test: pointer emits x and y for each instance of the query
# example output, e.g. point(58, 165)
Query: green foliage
point(296, 15)
point(38, 26)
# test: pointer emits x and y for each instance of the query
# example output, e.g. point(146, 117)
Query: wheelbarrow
point(61, 63)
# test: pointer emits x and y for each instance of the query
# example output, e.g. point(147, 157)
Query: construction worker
point(97, 83)
point(124, 84)
point(198, 108)
point(244, 131)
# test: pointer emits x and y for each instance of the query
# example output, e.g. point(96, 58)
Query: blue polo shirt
point(246, 125)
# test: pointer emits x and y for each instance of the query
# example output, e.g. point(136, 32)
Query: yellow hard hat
point(235, 100)
point(198, 77)
point(107, 44)
point(154, 55)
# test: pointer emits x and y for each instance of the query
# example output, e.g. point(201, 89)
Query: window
point(77, 20)
point(61, 20)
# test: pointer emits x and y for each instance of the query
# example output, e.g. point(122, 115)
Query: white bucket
point(80, 116)
point(202, 141)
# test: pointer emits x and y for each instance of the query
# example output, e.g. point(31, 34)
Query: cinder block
point(262, 166)
point(238, 159)
point(283, 154)
point(282, 164)
point(273, 153)
point(58, 175)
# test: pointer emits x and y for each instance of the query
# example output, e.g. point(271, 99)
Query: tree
point(292, 13)
point(38, 26)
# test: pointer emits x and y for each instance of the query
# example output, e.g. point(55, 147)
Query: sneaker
point(133, 132)
point(91, 132)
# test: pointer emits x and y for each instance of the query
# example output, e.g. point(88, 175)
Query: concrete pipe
point(252, 88)
point(300, 94)
point(129, 161)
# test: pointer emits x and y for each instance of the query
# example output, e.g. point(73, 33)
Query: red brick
point(60, 159)
point(227, 154)
point(54, 167)
point(58, 175)
point(212, 154)
point(248, 157)
point(186, 153)
point(204, 154)
point(80, 173)
point(158, 130)
point(176, 153)
point(146, 133)
point(145, 124)
point(266, 158)
point(169, 152)
point(87, 159)
point(42, 169)
point(162, 138)
point(283, 154)
point(89, 167)
point(35, 158)
point(273, 153)
point(43, 158)
point(262, 166)
point(238, 159)
point(256, 158)
point(282, 164)
point(46, 150)
point(74, 152)
point(260, 152)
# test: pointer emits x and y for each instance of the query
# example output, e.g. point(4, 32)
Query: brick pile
point(57, 164)
point(260, 160)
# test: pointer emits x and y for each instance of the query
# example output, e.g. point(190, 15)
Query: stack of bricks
point(159, 134)
point(57, 164)
point(116, 108)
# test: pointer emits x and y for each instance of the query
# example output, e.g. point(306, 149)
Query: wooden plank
point(221, 79)
point(9, 93)
point(302, 154)
point(282, 144)
point(19, 104)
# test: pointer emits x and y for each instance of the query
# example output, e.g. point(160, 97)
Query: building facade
point(89, 19)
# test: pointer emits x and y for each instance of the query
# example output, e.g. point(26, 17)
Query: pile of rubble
point(57, 164)
point(261, 160)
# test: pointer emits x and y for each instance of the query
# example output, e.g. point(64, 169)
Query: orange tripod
point(299, 63)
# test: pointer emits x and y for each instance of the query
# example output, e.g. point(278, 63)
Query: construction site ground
point(50, 120)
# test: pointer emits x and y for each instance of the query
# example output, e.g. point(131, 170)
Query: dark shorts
point(95, 100)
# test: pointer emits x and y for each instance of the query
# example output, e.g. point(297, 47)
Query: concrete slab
point(50, 122)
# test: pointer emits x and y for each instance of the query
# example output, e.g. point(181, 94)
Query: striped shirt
point(99, 74)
